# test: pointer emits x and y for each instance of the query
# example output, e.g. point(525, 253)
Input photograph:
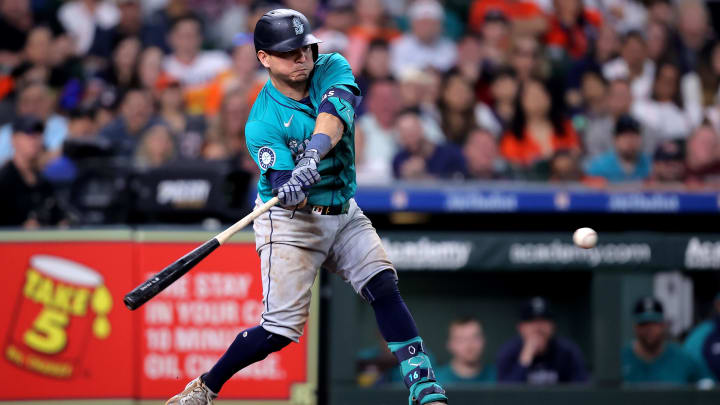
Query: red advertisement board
point(66, 331)
point(67, 334)
point(186, 328)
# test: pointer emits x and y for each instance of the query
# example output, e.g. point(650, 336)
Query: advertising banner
point(185, 329)
point(66, 334)
point(476, 251)
point(65, 330)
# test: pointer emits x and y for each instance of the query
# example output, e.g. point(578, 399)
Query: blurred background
point(489, 131)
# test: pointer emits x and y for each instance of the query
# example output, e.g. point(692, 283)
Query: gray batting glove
point(291, 193)
point(306, 171)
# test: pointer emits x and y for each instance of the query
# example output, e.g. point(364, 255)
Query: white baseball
point(585, 238)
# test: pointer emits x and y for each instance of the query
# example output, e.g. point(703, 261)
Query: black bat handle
point(161, 280)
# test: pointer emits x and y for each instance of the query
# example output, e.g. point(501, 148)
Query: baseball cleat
point(195, 393)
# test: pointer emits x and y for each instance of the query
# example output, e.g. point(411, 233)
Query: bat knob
point(130, 303)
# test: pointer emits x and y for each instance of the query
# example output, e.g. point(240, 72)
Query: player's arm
point(336, 113)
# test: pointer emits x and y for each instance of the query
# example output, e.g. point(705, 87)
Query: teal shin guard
point(417, 372)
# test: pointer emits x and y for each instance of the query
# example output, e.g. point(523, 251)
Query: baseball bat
point(161, 280)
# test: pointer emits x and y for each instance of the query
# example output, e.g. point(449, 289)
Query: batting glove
point(291, 193)
point(306, 171)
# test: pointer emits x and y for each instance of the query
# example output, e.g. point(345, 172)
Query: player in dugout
point(650, 358)
point(537, 356)
point(301, 134)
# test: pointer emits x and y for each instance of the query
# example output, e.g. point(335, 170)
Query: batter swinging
point(301, 134)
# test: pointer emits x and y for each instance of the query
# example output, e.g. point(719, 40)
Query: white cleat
point(195, 393)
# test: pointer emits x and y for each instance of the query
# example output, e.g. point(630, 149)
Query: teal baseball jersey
point(446, 375)
point(279, 128)
point(673, 366)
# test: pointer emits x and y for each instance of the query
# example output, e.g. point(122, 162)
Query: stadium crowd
point(597, 91)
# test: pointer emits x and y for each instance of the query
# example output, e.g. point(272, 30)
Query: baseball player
point(301, 134)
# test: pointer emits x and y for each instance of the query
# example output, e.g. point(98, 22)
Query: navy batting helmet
point(283, 30)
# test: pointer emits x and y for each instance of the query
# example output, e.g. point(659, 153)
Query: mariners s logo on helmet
point(297, 24)
point(266, 157)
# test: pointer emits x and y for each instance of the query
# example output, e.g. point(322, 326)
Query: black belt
point(327, 209)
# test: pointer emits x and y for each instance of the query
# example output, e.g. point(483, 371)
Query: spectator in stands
point(572, 30)
point(225, 137)
point(122, 72)
point(419, 90)
point(650, 357)
point(187, 130)
point(377, 67)
point(149, 69)
point(372, 23)
point(83, 19)
point(703, 342)
point(131, 24)
point(457, 107)
point(136, 116)
point(338, 20)
point(419, 157)
point(633, 64)
point(39, 64)
point(156, 148)
point(496, 37)
point(374, 160)
point(234, 19)
point(594, 120)
point(36, 100)
point(424, 46)
point(626, 161)
point(565, 166)
point(537, 356)
point(668, 164)
point(604, 49)
point(625, 15)
point(29, 200)
point(194, 68)
point(661, 11)
point(537, 129)
point(694, 33)
point(243, 74)
point(466, 344)
point(702, 157)
point(481, 156)
point(161, 20)
point(81, 129)
point(497, 115)
point(526, 17)
point(16, 21)
point(526, 59)
point(663, 115)
point(658, 42)
point(709, 73)
point(620, 98)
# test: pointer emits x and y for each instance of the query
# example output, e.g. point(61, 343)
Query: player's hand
point(306, 171)
point(291, 194)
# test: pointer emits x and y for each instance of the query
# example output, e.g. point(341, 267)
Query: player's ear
point(264, 58)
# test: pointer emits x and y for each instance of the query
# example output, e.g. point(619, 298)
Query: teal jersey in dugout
point(674, 366)
point(279, 128)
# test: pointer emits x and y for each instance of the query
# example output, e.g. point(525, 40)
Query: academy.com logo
point(702, 255)
point(559, 253)
point(425, 254)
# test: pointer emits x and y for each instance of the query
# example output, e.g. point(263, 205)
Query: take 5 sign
point(67, 334)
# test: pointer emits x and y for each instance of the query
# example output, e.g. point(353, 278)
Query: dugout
point(488, 274)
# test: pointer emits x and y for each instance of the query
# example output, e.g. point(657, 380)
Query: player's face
point(466, 342)
point(650, 335)
point(294, 66)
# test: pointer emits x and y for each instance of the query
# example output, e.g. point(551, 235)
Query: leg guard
point(417, 372)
